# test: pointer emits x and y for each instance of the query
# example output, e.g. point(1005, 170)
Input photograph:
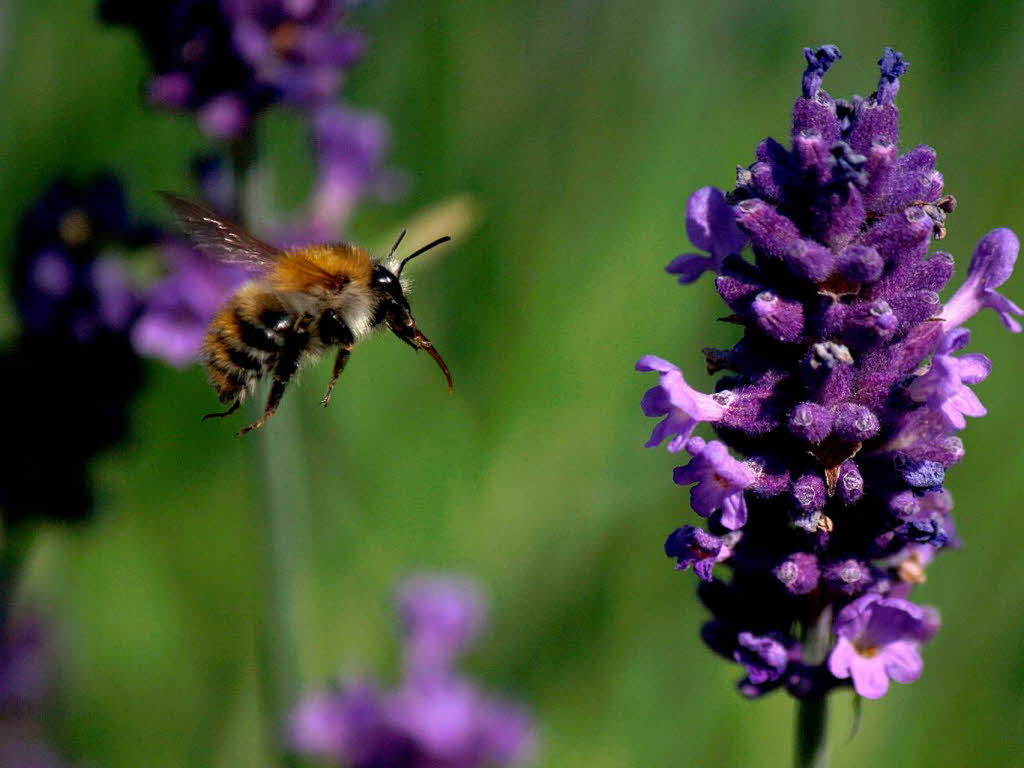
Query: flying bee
point(300, 302)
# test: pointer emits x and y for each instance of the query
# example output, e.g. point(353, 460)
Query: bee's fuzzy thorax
point(322, 268)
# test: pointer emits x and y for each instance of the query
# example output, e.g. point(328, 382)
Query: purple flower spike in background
point(844, 394)
point(435, 717)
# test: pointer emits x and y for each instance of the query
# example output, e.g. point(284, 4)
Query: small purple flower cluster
point(76, 305)
point(25, 671)
point(228, 60)
point(435, 717)
point(844, 394)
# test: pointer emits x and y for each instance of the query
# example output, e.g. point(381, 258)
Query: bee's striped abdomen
point(243, 342)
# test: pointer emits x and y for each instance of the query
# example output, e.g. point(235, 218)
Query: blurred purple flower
point(435, 717)
point(228, 60)
point(300, 47)
point(179, 307)
point(440, 617)
point(351, 148)
point(25, 672)
point(195, 65)
point(76, 305)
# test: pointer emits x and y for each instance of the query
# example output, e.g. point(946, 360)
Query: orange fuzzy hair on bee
point(330, 267)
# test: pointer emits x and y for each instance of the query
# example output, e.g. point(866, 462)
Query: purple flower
point(765, 657)
point(76, 304)
point(943, 388)
point(879, 640)
point(351, 147)
point(196, 66)
point(440, 617)
point(991, 266)
point(711, 225)
point(299, 48)
point(682, 406)
point(434, 717)
point(696, 547)
point(180, 307)
point(836, 411)
point(25, 672)
point(720, 480)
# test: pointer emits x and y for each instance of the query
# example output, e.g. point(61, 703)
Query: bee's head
point(389, 287)
point(393, 304)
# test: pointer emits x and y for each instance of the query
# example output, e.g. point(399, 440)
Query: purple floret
point(434, 717)
point(837, 413)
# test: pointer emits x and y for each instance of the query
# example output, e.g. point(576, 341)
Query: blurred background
point(578, 129)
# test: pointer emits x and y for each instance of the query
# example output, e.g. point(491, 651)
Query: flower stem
point(812, 733)
point(812, 712)
point(286, 512)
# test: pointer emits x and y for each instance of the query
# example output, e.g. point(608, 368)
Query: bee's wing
point(221, 238)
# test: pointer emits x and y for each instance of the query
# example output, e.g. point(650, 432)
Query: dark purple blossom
point(228, 60)
point(696, 547)
point(765, 657)
point(837, 412)
point(435, 717)
point(76, 305)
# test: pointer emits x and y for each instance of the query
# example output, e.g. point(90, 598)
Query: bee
point(300, 302)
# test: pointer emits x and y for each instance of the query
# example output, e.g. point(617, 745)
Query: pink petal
point(841, 659)
point(902, 662)
point(869, 678)
point(968, 403)
point(974, 368)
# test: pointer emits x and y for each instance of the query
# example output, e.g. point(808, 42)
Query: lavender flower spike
point(682, 406)
point(711, 226)
point(837, 413)
point(991, 266)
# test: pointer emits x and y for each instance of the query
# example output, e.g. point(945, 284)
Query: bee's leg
point(221, 415)
point(339, 366)
point(286, 366)
point(334, 330)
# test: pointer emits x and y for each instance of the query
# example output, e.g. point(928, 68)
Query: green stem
point(812, 733)
point(812, 713)
point(286, 514)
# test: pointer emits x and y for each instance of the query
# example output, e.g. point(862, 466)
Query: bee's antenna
point(424, 249)
point(395, 246)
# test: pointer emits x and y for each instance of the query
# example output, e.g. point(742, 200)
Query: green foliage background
point(581, 128)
